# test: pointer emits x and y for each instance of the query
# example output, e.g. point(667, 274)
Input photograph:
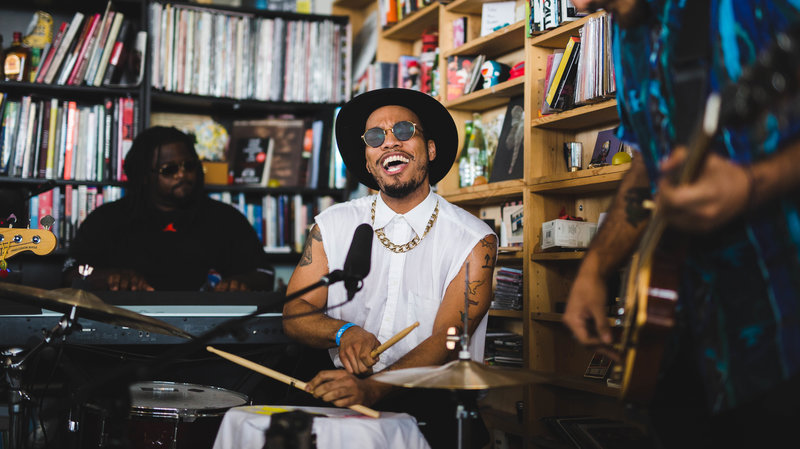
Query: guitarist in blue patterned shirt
point(730, 375)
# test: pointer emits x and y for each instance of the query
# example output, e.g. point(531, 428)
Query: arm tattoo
point(473, 290)
point(461, 314)
point(634, 210)
point(489, 258)
point(314, 234)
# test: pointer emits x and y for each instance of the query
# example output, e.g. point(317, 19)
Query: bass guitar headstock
point(16, 240)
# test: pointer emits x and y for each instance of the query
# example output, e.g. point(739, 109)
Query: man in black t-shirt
point(166, 233)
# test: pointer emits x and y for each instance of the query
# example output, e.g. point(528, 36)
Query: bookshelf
point(557, 361)
point(229, 96)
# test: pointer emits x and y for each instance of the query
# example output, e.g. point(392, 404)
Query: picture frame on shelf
point(509, 155)
point(606, 146)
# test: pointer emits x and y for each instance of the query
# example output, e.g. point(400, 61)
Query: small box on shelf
point(567, 233)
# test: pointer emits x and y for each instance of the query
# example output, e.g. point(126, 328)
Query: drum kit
point(181, 415)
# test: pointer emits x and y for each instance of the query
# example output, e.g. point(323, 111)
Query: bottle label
point(12, 66)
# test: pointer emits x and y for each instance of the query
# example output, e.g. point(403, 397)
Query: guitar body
point(650, 298)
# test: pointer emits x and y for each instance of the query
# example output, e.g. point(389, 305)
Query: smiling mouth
point(395, 163)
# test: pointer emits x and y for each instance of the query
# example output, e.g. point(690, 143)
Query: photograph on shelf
point(509, 156)
point(513, 217)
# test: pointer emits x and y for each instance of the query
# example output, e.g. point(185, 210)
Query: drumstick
point(390, 342)
point(282, 377)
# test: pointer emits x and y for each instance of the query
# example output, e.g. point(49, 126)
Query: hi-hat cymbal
point(88, 305)
point(457, 375)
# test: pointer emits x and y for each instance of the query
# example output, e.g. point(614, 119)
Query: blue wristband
point(341, 331)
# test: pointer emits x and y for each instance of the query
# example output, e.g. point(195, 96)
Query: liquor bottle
point(477, 152)
point(464, 167)
point(17, 60)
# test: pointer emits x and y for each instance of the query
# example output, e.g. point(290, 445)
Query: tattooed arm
point(614, 243)
point(343, 389)
point(317, 329)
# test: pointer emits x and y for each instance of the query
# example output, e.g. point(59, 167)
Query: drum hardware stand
point(463, 411)
point(15, 365)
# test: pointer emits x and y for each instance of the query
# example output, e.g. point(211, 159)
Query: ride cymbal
point(457, 375)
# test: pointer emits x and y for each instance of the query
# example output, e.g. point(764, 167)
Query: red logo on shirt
point(169, 228)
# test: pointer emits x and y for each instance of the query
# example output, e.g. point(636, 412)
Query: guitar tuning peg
point(47, 221)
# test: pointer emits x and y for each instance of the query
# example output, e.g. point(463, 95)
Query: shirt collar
point(417, 217)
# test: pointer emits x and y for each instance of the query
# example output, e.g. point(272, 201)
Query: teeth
point(394, 158)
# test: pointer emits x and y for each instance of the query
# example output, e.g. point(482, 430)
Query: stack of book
point(503, 349)
point(93, 50)
point(508, 289)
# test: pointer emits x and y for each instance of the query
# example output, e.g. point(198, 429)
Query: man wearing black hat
point(399, 142)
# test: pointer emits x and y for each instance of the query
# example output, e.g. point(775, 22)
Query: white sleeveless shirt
point(401, 288)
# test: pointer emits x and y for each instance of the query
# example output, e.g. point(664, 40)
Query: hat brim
point(436, 121)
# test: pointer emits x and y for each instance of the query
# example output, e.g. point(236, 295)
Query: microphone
point(357, 264)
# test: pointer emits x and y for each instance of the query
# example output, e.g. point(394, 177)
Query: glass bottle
point(17, 60)
point(464, 167)
point(477, 152)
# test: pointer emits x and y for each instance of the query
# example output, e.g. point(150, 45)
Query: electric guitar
point(17, 240)
point(651, 281)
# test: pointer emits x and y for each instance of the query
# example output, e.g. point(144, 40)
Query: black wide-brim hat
point(436, 122)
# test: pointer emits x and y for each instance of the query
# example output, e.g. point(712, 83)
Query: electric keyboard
point(192, 312)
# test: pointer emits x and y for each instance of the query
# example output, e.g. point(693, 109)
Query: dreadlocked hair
point(138, 163)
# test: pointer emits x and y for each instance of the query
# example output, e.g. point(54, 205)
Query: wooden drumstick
point(282, 377)
point(390, 342)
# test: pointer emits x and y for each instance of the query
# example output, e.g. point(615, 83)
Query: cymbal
point(457, 375)
point(89, 306)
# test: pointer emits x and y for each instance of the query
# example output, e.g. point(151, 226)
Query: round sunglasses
point(402, 131)
point(172, 168)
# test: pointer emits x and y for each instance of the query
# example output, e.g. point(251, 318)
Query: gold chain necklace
point(391, 246)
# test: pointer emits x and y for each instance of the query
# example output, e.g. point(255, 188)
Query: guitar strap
point(690, 68)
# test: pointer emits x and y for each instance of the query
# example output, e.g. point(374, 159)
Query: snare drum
point(166, 415)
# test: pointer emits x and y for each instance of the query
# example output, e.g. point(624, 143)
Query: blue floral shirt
point(741, 295)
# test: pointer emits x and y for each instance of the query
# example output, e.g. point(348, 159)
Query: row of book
point(410, 72)
point(94, 49)
point(203, 51)
point(62, 139)
point(69, 206)
point(581, 73)
point(281, 221)
point(507, 289)
point(545, 15)
point(503, 349)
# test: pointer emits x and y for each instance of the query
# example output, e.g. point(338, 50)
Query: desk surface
point(244, 427)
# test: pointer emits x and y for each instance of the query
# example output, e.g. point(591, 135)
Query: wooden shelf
point(561, 255)
point(351, 4)
point(179, 102)
point(510, 254)
point(494, 96)
point(557, 38)
point(582, 117)
point(61, 91)
point(411, 27)
point(492, 193)
point(590, 180)
point(467, 6)
point(506, 313)
point(498, 43)
point(554, 317)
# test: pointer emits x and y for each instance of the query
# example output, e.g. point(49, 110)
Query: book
point(560, 76)
point(408, 72)
point(116, 57)
point(513, 217)
point(288, 136)
point(63, 47)
point(496, 15)
point(475, 78)
point(82, 62)
point(77, 46)
point(605, 147)
point(553, 60)
point(458, 70)
point(48, 58)
point(459, 32)
point(251, 162)
point(509, 155)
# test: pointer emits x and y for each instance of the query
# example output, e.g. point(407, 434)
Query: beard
point(402, 190)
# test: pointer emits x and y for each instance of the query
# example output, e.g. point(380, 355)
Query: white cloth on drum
point(244, 428)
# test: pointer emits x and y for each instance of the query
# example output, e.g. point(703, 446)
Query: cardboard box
point(567, 233)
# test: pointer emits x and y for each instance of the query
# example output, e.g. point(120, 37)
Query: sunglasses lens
point(403, 130)
point(191, 164)
point(169, 169)
point(374, 137)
